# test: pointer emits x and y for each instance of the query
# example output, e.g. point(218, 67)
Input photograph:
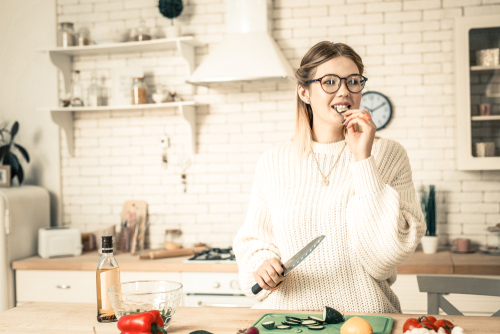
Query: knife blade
point(294, 261)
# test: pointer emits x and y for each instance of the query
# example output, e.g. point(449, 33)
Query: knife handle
point(256, 288)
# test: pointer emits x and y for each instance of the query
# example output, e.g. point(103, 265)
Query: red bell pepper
point(149, 322)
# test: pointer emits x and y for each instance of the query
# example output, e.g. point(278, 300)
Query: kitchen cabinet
point(477, 93)
point(62, 59)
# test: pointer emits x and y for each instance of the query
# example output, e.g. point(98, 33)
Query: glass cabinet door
point(484, 54)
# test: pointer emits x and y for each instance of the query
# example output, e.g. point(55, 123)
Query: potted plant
point(7, 156)
point(171, 9)
point(428, 202)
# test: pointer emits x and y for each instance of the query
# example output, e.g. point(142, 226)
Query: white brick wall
point(407, 48)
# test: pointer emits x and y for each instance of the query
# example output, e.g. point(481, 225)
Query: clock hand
point(380, 106)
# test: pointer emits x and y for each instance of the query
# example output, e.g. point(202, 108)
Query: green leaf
point(170, 8)
point(11, 160)
point(23, 152)
point(4, 150)
point(20, 174)
point(14, 130)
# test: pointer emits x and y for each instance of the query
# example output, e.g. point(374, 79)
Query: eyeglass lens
point(332, 83)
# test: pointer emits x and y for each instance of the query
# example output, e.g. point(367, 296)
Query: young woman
point(352, 187)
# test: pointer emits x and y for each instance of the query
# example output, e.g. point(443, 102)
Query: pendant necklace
point(325, 181)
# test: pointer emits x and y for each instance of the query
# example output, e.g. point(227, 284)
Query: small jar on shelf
point(66, 34)
point(139, 91)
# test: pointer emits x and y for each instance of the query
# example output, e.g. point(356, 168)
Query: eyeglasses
point(331, 83)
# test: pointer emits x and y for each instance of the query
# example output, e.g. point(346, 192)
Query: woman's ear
point(304, 94)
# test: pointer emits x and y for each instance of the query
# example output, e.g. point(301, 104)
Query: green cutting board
point(380, 324)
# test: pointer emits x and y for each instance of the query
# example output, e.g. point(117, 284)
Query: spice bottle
point(76, 90)
point(83, 37)
point(139, 91)
point(107, 274)
point(66, 34)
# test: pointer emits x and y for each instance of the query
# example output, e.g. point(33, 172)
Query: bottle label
point(108, 278)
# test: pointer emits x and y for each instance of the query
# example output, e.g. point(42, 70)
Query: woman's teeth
point(341, 108)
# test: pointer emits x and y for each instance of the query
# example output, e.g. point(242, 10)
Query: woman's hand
point(268, 275)
point(360, 143)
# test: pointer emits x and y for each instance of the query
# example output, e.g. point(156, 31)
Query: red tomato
point(445, 324)
point(410, 324)
point(427, 318)
point(427, 325)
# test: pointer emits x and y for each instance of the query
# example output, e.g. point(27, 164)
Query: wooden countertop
point(59, 318)
point(443, 262)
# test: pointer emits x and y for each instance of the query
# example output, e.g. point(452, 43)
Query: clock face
point(379, 106)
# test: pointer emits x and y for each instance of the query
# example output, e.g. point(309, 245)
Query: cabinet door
point(71, 286)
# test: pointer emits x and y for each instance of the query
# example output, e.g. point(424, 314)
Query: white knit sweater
point(369, 213)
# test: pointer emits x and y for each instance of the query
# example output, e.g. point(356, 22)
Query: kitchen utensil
point(161, 254)
point(142, 296)
point(484, 109)
point(142, 235)
point(380, 324)
point(294, 261)
point(131, 210)
point(133, 249)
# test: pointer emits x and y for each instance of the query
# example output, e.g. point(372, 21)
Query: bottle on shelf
point(76, 90)
point(95, 96)
point(107, 274)
point(139, 91)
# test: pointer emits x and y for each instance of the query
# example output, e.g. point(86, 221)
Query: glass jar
point(142, 33)
point(95, 96)
point(83, 37)
point(66, 34)
point(76, 90)
point(173, 239)
point(139, 91)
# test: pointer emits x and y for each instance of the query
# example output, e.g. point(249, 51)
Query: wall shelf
point(486, 118)
point(64, 117)
point(484, 68)
point(63, 57)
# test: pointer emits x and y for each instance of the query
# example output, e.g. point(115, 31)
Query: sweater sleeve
point(255, 242)
point(385, 221)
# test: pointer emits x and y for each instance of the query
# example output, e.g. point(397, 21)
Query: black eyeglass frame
point(340, 80)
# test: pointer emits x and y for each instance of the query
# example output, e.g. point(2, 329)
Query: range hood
point(248, 52)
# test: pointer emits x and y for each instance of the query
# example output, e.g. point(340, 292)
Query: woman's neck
point(323, 133)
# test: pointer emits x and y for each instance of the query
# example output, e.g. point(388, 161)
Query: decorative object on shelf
point(484, 109)
point(95, 93)
point(428, 203)
point(173, 97)
point(379, 106)
point(171, 9)
point(76, 89)
point(122, 79)
point(4, 176)
point(462, 246)
point(142, 33)
point(83, 37)
point(484, 149)
point(66, 34)
point(139, 91)
point(159, 95)
point(7, 157)
point(493, 86)
point(184, 162)
point(488, 57)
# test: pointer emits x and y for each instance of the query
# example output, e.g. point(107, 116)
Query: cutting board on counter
point(380, 324)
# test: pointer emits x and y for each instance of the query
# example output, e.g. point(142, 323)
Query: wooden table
point(59, 318)
point(442, 262)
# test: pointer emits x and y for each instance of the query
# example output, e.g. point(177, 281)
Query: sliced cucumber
point(290, 323)
point(332, 316)
point(293, 319)
point(316, 327)
point(318, 320)
point(268, 325)
point(283, 327)
point(309, 322)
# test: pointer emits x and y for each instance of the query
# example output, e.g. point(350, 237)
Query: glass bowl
point(142, 296)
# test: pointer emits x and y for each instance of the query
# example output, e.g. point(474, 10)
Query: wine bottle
point(107, 274)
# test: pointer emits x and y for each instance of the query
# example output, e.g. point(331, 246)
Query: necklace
point(325, 181)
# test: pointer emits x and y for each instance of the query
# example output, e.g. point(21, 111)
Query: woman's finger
point(361, 122)
point(268, 280)
point(260, 280)
point(277, 267)
point(273, 274)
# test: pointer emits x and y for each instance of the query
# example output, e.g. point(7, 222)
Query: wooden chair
point(436, 286)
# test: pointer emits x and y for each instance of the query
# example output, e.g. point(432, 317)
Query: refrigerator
point(23, 210)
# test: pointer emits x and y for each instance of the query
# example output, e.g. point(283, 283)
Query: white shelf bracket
point(187, 51)
point(63, 63)
point(65, 120)
point(189, 114)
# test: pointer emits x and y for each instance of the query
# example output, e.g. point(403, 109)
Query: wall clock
point(379, 106)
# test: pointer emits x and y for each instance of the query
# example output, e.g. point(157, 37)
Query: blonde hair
point(317, 55)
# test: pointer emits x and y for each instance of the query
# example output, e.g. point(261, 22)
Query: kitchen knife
point(294, 261)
